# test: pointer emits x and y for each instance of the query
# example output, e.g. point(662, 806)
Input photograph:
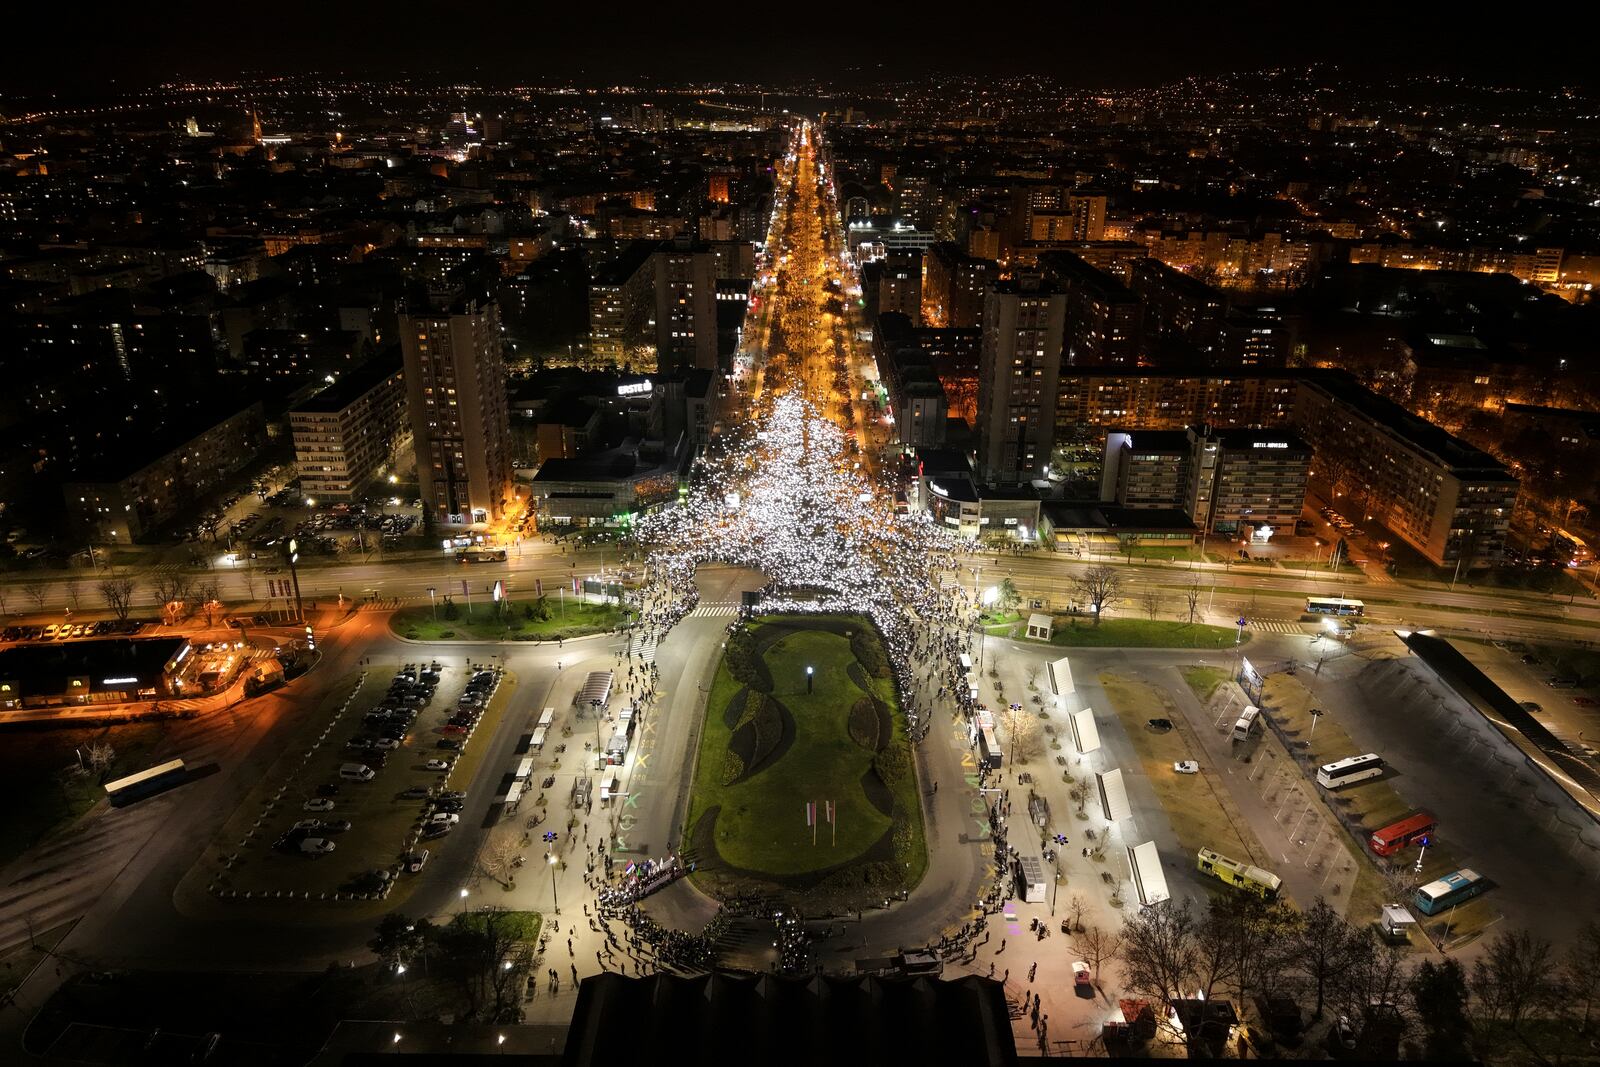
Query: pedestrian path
point(712, 609)
point(1276, 626)
point(643, 646)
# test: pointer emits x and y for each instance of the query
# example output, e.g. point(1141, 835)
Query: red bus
point(1408, 831)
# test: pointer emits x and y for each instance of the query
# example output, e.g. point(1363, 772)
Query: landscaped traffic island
point(805, 779)
point(509, 620)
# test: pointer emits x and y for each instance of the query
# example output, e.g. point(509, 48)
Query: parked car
point(436, 830)
point(1080, 974)
point(1160, 725)
point(415, 861)
point(318, 804)
point(454, 728)
point(306, 826)
point(446, 818)
point(385, 744)
point(436, 765)
point(337, 826)
point(416, 792)
point(1187, 766)
point(451, 743)
point(316, 846)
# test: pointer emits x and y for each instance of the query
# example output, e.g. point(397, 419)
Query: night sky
point(1103, 44)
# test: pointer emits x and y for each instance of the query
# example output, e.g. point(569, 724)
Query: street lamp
point(463, 899)
point(550, 857)
point(809, 673)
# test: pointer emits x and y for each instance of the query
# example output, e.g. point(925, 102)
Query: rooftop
point(354, 384)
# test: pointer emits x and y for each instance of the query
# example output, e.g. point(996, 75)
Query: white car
point(318, 804)
point(385, 744)
point(443, 818)
point(415, 861)
point(307, 825)
point(316, 846)
point(436, 765)
point(1187, 766)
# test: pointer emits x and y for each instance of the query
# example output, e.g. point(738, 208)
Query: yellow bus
point(1246, 876)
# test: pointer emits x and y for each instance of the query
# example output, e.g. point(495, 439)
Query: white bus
point(1246, 723)
point(1334, 605)
point(1345, 772)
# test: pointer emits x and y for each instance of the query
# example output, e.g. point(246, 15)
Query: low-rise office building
point(610, 489)
point(77, 673)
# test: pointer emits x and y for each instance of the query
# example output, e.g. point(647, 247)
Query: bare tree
point(3, 594)
point(1150, 600)
point(173, 590)
point(1323, 946)
point(74, 595)
point(117, 592)
point(1191, 597)
point(1022, 733)
point(1512, 983)
point(36, 593)
point(1261, 934)
point(207, 593)
point(1100, 586)
point(1097, 946)
point(499, 858)
point(1580, 978)
point(249, 575)
point(101, 755)
point(1170, 956)
point(1075, 908)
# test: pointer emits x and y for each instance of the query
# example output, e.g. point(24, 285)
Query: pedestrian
point(1002, 947)
point(571, 953)
point(1033, 967)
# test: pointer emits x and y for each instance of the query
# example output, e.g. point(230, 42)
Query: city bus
point(1578, 553)
point(482, 555)
point(1334, 605)
point(1345, 772)
point(1413, 829)
point(1245, 876)
point(1246, 723)
point(1452, 889)
point(146, 783)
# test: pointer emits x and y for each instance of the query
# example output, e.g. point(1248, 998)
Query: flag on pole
point(811, 813)
point(828, 807)
point(538, 587)
point(464, 588)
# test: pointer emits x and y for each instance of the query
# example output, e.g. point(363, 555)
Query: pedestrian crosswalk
point(713, 609)
point(643, 646)
point(1275, 626)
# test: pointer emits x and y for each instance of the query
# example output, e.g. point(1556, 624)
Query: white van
point(608, 787)
point(357, 772)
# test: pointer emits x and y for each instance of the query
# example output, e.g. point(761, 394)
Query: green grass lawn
point(1140, 633)
point(573, 619)
point(1203, 680)
point(760, 823)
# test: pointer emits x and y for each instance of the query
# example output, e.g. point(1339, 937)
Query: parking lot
point(350, 810)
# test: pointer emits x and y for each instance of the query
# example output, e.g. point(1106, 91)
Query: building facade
point(344, 435)
point(1019, 372)
point(460, 420)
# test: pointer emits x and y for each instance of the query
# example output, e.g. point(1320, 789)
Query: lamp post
point(809, 674)
point(550, 858)
point(432, 603)
point(463, 910)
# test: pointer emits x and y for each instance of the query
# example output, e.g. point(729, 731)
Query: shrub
point(447, 635)
point(732, 767)
point(868, 649)
point(451, 612)
point(892, 764)
point(864, 723)
point(745, 662)
point(900, 836)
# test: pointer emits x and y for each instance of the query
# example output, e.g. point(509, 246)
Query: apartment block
point(345, 434)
